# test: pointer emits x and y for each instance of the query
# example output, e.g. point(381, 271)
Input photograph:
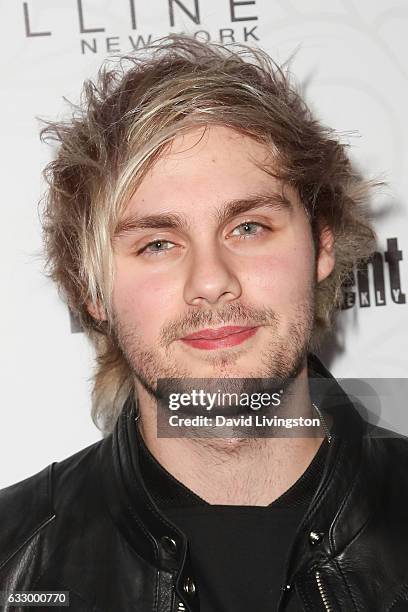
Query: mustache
point(236, 314)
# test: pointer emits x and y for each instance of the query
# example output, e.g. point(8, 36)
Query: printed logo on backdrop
point(373, 290)
point(96, 35)
point(362, 289)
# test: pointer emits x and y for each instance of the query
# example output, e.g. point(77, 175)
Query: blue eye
point(247, 229)
point(158, 243)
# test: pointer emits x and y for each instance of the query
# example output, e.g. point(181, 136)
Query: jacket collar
point(129, 501)
point(347, 494)
point(133, 510)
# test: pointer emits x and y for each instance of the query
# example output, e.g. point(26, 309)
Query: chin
point(227, 371)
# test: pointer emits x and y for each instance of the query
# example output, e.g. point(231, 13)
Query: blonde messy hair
point(127, 118)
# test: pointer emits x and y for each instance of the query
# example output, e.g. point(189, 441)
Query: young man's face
point(256, 268)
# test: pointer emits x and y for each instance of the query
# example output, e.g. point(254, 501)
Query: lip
point(222, 337)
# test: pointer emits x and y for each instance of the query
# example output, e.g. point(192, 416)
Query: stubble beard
point(282, 359)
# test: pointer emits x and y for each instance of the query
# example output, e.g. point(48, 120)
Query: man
point(200, 222)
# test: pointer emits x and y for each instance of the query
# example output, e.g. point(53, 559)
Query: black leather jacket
point(87, 525)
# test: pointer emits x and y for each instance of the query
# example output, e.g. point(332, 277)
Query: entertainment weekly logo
point(362, 289)
point(96, 35)
point(366, 290)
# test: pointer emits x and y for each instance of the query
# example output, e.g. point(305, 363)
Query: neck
point(234, 471)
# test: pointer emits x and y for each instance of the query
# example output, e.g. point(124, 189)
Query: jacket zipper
point(323, 593)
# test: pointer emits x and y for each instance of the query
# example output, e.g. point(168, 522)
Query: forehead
point(209, 148)
point(202, 168)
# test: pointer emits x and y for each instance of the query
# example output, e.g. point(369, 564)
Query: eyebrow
point(133, 223)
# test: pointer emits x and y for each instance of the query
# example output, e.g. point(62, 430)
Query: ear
point(325, 258)
point(97, 311)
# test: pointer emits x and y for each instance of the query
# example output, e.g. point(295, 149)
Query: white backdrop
point(351, 58)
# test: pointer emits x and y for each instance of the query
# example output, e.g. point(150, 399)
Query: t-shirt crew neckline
point(168, 492)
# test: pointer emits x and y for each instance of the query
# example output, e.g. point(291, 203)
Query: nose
point(211, 278)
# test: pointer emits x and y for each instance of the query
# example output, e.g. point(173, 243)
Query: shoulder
point(29, 506)
point(386, 452)
point(388, 440)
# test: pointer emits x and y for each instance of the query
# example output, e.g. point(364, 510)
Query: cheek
point(284, 277)
point(143, 301)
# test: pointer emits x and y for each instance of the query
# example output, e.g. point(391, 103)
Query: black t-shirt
point(238, 553)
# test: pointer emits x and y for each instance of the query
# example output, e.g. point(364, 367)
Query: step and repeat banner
point(349, 57)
